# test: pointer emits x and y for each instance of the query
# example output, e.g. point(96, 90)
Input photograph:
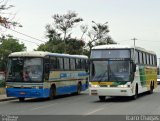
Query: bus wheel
point(79, 88)
point(136, 93)
point(102, 98)
point(21, 99)
point(151, 89)
point(52, 93)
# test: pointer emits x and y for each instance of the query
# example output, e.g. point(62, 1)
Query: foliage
point(60, 40)
point(2, 83)
point(73, 46)
point(98, 35)
point(7, 46)
point(64, 23)
point(4, 20)
point(54, 46)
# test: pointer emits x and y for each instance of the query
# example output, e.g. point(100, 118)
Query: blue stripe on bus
point(41, 93)
point(27, 93)
point(83, 74)
point(70, 89)
point(62, 75)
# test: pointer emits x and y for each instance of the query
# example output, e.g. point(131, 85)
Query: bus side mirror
point(134, 67)
point(93, 70)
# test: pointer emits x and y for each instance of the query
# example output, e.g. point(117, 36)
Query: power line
point(26, 40)
point(122, 40)
point(150, 41)
point(25, 35)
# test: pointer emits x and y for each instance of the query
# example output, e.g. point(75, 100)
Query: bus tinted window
point(110, 54)
point(72, 64)
point(140, 57)
point(144, 58)
point(60, 63)
point(136, 57)
point(147, 56)
point(83, 63)
point(150, 57)
point(78, 64)
point(53, 63)
point(66, 63)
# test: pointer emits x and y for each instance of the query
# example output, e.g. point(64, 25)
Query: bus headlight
point(126, 85)
point(123, 86)
point(94, 86)
point(9, 86)
point(37, 87)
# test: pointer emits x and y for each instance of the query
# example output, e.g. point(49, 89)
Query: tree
point(7, 46)
point(75, 46)
point(98, 35)
point(55, 46)
point(64, 23)
point(60, 40)
point(59, 34)
point(5, 21)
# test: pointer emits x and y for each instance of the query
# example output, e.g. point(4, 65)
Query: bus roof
point(43, 54)
point(118, 46)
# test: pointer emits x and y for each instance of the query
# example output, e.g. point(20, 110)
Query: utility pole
point(134, 40)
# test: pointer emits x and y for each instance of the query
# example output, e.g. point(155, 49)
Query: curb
point(7, 99)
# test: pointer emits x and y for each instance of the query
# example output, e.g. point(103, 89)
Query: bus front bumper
point(104, 91)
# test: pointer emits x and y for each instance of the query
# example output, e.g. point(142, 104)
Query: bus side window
point(78, 64)
point(72, 64)
point(53, 63)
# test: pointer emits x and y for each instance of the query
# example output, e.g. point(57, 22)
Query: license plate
point(94, 92)
point(22, 93)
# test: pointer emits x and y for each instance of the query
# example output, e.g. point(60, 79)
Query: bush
point(2, 83)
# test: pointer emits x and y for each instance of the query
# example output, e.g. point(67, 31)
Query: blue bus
point(45, 75)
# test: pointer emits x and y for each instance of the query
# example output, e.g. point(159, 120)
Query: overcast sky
point(126, 19)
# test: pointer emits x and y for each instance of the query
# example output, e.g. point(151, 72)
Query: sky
point(126, 19)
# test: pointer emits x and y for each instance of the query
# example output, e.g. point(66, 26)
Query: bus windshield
point(25, 69)
point(110, 70)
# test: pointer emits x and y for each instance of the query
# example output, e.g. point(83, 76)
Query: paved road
point(84, 105)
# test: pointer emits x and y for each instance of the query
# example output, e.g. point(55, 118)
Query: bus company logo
point(9, 118)
point(142, 118)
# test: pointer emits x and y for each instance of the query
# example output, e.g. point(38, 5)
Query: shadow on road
point(31, 100)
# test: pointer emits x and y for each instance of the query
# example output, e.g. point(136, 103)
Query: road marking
point(46, 106)
point(94, 111)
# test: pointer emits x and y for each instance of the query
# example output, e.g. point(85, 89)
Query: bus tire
point(135, 96)
point(79, 88)
point(102, 98)
point(21, 99)
point(151, 88)
point(52, 92)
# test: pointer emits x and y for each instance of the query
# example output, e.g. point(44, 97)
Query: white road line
point(36, 108)
point(46, 106)
point(94, 111)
